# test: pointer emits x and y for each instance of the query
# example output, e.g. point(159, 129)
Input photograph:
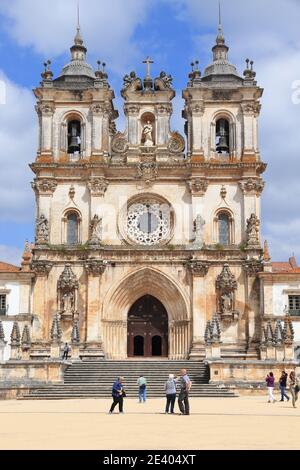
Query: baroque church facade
point(143, 244)
point(147, 241)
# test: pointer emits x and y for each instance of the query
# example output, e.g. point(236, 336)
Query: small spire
point(78, 41)
point(267, 256)
point(220, 37)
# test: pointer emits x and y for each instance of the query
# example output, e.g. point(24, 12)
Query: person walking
point(270, 384)
point(183, 397)
point(118, 393)
point(170, 389)
point(142, 383)
point(282, 386)
point(294, 386)
point(66, 351)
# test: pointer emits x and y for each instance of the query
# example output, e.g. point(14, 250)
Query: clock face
point(148, 222)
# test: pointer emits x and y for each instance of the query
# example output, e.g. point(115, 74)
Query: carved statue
point(95, 230)
point(199, 224)
point(253, 230)
point(226, 302)
point(67, 288)
point(128, 79)
point(42, 229)
point(147, 134)
point(167, 79)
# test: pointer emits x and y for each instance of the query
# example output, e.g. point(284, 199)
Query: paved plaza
point(231, 423)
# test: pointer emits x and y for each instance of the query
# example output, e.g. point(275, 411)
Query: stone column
point(198, 271)
point(97, 123)
point(93, 347)
point(132, 113)
point(41, 270)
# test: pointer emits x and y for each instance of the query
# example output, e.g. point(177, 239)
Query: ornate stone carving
point(163, 82)
point(26, 340)
point(119, 143)
point(221, 95)
point(148, 222)
point(98, 186)
point(42, 230)
point(2, 335)
point(112, 128)
point(288, 330)
point(67, 288)
point(212, 333)
point(198, 230)
point(44, 186)
point(198, 268)
point(252, 185)
point(197, 108)
point(55, 332)
point(95, 231)
point(252, 231)
point(46, 109)
point(41, 267)
point(226, 286)
point(95, 267)
point(251, 108)
point(176, 143)
point(253, 267)
point(147, 171)
point(164, 109)
point(132, 110)
point(15, 337)
point(198, 186)
point(132, 81)
point(278, 334)
point(72, 192)
point(75, 335)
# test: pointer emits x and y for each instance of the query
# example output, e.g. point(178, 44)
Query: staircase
point(94, 379)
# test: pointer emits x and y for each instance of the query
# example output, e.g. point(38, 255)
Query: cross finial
point(220, 20)
point(78, 16)
point(148, 61)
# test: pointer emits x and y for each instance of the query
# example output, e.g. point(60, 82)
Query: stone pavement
point(230, 423)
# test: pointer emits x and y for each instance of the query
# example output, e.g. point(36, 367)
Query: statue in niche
point(198, 230)
point(95, 230)
point(253, 230)
point(226, 303)
point(42, 229)
point(67, 303)
point(147, 135)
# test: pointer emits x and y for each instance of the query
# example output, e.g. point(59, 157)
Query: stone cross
point(148, 61)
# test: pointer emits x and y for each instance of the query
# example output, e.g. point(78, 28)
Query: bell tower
point(221, 112)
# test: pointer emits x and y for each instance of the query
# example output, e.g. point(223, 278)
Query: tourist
point(118, 393)
point(270, 384)
point(294, 385)
point(183, 398)
point(282, 386)
point(170, 389)
point(65, 351)
point(142, 383)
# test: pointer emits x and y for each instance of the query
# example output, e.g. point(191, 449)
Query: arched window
point(224, 228)
point(222, 136)
point(72, 229)
point(74, 137)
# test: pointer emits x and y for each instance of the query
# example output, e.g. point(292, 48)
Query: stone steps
point(94, 379)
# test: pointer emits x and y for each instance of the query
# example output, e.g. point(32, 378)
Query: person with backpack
point(183, 397)
point(170, 389)
point(142, 383)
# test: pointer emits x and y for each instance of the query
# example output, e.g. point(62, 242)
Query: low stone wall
point(18, 377)
point(247, 376)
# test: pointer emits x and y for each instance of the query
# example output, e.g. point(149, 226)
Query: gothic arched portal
point(147, 330)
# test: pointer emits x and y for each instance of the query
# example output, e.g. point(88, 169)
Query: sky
point(174, 33)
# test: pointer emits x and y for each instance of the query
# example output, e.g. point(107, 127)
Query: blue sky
point(173, 32)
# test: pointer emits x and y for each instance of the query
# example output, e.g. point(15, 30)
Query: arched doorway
point(147, 328)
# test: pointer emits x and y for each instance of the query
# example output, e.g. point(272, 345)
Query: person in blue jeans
point(142, 383)
point(282, 386)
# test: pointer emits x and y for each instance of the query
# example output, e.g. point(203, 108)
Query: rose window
point(148, 222)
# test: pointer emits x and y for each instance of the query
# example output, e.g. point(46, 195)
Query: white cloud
point(48, 27)
point(268, 33)
point(10, 254)
point(18, 141)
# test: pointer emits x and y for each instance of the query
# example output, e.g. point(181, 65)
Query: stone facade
point(128, 220)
